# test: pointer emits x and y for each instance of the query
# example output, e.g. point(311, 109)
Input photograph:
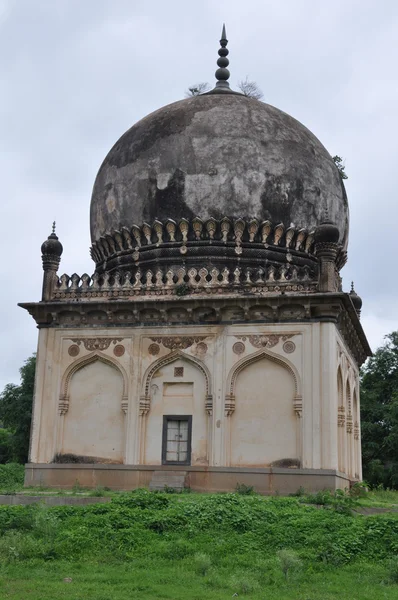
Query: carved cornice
point(208, 309)
point(185, 234)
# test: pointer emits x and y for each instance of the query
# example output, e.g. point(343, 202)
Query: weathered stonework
point(214, 336)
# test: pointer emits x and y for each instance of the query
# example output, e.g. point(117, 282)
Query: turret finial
point(222, 73)
point(53, 230)
point(352, 286)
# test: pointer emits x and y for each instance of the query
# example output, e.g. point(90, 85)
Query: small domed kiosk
point(213, 345)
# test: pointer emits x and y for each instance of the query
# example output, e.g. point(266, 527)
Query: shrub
point(244, 585)
point(142, 499)
point(202, 563)
point(12, 475)
point(359, 490)
point(340, 500)
point(245, 490)
point(289, 562)
point(392, 570)
point(97, 492)
point(6, 449)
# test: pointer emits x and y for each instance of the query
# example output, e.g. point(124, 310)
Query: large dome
point(215, 156)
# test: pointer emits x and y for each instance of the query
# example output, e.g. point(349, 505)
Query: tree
point(197, 89)
point(379, 414)
point(16, 411)
point(338, 161)
point(250, 89)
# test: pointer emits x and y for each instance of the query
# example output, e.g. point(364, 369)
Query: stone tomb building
point(213, 345)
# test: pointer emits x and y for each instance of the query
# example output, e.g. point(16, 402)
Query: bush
point(6, 450)
point(340, 500)
point(244, 585)
point(392, 570)
point(359, 490)
point(245, 490)
point(202, 563)
point(12, 476)
point(289, 562)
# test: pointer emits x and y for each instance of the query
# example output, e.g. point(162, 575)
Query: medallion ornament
point(73, 350)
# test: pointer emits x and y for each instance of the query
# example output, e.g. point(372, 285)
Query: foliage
point(289, 561)
point(11, 476)
point(250, 89)
point(202, 562)
point(197, 89)
point(152, 545)
point(338, 161)
point(16, 410)
point(242, 488)
point(379, 415)
point(5, 446)
point(182, 290)
point(392, 576)
point(342, 501)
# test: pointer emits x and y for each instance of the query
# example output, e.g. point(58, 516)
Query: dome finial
point(53, 229)
point(352, 287)
point(222, 73)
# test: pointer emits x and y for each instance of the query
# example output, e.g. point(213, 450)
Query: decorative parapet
point(182, 282)
point(238, 232)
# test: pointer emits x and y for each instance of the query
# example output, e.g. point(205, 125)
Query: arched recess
point(341, 422)
point(349, 427)
point(187, 395)
point(264, 403)
point(145, 399)
point(357, 436)
point(92, 402)
point(256, 356)
point(63, 404)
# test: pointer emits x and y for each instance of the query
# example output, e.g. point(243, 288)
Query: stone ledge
point(200, 479)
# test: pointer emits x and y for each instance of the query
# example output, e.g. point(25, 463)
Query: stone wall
point(260, 395)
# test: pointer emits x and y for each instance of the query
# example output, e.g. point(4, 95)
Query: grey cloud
point(76, 74)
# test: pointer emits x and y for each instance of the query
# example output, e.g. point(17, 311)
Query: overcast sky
point(76, 74)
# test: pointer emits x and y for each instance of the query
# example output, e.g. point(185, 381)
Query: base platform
point(200, 479)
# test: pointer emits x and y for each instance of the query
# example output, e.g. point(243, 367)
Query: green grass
point(148, 579)
point(381, 497)
point(154, 545)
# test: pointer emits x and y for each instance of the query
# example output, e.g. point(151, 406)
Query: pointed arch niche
point(92, 405)
point(341, 418)
point(264, 403)
point(176, 384)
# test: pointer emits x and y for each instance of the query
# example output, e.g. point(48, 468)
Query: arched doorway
point(177, 426)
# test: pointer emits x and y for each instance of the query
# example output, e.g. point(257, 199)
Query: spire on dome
point(222, 73)
point(53, 231)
